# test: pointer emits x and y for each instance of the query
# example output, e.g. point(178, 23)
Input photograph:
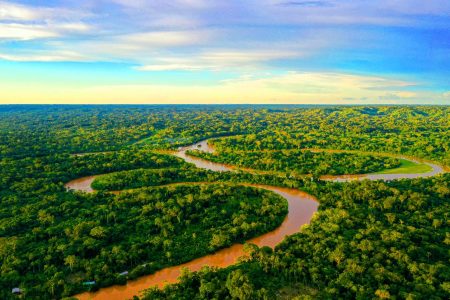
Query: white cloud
point(17, 12)
point(25, 32)
point(14, 12)
point(304, 83)
point(21, 22)
point(293, 87)
point(71, 27)
point(130, 3)
point(219, 60)
point(198, 4)
point(16, 31)
point(236, 57)
point(172, 67)
point(184, 35)
point(138, 47)
point(166, 38)
point(44, 56)
point(174, 22)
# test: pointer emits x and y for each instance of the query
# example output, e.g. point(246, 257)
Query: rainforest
point(224, 202)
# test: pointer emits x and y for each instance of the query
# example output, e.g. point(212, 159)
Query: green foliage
point(368, 240)
point(150, 177)
point(95, 237)
point(42, 130)
point(417, 131)
point(408, 167)
point(302, 161)
point(32, 186)
point(138, 178)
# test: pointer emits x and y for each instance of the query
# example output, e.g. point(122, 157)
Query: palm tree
point(70, 261)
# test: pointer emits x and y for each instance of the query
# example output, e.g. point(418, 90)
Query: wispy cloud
point(293, 87)
point(306, 3)
point(15, 12)
point(140, 27)
point(25, 32)
point(166, 38)
point(338, 85)
point(15, 31)
point(175, 3)
point(21, 22)
point(44, 56)
point(219, 60)
point(334, 38)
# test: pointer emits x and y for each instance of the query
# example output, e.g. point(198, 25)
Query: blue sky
point(196, 51)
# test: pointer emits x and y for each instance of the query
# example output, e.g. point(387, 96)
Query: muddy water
point(203, 146)
point(82, 184)
point(301, 206)
point(202, 163)
point(301, 209)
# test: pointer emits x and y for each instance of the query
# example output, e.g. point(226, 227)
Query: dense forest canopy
point(301, 161)
point(52, 240)
point(368, 240)
point(416, 130)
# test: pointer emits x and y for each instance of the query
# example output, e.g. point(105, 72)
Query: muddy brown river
point(302, 207)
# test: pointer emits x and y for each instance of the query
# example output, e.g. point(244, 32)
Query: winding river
point(301, 206)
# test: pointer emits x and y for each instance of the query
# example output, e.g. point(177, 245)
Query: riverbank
point(302, 207)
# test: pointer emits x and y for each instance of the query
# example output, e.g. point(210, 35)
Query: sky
point(206, 51)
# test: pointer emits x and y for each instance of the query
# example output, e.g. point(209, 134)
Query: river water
point(302, 207)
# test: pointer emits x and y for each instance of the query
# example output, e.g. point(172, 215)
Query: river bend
point(301, 208)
